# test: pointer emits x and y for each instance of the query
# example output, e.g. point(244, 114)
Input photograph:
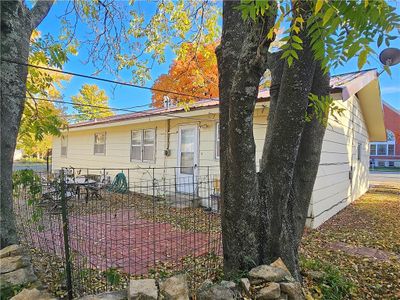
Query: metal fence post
point(154, 218)
point(64, 215)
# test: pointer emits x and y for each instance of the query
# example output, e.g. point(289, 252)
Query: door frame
point(196, 157)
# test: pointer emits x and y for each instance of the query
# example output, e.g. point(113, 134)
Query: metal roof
point(348, 84)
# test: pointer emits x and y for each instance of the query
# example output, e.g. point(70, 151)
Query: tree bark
point(17, 23)
point(263, 214)
point(241, 61)
point(308, 159)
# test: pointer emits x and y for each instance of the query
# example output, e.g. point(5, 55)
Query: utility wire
point(141, 113)
point(88, 105)
point(103, 79)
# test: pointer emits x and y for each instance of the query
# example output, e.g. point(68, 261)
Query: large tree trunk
point(241, 62)
point(17, 23)
point(263, 214)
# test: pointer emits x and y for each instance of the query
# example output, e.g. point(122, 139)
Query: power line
point(142, 113)
point(88, 105)
point(103, 79)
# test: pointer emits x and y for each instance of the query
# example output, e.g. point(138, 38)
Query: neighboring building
point(387, 154)
point(168, 138)
point(18, 154)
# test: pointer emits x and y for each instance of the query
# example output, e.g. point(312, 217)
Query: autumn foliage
point(194, 72)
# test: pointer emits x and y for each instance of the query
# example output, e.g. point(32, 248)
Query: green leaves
point(251, 9)
point(41, 119)
point(113, 276)
point(293, 40)
point(90, 95)
point(328, 14)
point(319, 108)
point(318, 6)
point(342, 30)
point(362, 58)
point(27, 183)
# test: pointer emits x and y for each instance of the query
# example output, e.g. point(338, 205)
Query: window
point(372, 150)
point(217, 141)
point(382, 149)
point(390, 136)
point(100, 143)
point(391, 163)
point(381, 163)
point(148, 144)
point(143, 145)
point(390, 149)
point(136, 143)
point(64, 144)
point(359, 151)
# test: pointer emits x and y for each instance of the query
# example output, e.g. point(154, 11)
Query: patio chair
point(52, 197)
point(95, 189)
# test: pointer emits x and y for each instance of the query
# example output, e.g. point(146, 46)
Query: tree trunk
point(263, 214)
point(242, 61)
point(17, 23)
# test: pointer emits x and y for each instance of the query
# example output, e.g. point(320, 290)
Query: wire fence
point(100, 228)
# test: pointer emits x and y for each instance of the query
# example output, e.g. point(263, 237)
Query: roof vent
point(168, 102)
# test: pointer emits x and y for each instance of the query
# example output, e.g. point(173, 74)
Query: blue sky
point(121, 96)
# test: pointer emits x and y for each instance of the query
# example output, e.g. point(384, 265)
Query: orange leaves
point(194, 72)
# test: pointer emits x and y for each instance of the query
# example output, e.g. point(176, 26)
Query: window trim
point(142, 145)
point(386, 144)
point(217, 141)
point(394, 149)
point(370, 149)
point(377, 149)
point(139, 145)
point(66, 146)
point(105, 143)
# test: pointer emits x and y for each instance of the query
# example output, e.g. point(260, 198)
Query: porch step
point(181, 200)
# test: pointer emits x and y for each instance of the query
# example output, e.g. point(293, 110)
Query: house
point(172, 142)
point(387, 153)
point(18, 154)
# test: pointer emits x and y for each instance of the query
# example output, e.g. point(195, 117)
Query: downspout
point(167, 150)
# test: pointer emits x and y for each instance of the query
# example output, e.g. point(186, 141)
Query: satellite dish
point(390, 56)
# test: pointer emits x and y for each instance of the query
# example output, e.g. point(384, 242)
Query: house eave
point(372, 109)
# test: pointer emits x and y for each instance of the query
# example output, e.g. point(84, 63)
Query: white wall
point(333, 189)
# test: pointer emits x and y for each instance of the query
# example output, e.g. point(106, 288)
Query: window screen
point(100, 143)
point(372, 150)
point(143, 144)
point(148, 144)
point(391, 149)
point(382, 149)
point(64, 143)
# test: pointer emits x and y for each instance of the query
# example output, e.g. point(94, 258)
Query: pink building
point(387, 154)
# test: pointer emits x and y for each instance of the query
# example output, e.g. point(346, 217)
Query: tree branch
point(275, 65)
point(39, 11)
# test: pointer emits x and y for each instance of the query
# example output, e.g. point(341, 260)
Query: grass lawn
point(359, 250)
point(385, 169)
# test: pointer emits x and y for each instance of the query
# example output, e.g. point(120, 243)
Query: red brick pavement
point(125, 241)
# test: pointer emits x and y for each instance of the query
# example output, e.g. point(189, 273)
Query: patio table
point(81, 182)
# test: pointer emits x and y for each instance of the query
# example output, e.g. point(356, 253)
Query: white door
point(188, 155)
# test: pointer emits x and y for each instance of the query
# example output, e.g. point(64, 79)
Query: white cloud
point(391, 89)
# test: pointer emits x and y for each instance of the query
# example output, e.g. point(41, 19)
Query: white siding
point(333, 189)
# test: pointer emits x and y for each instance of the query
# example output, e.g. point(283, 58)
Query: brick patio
point(123, 240)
